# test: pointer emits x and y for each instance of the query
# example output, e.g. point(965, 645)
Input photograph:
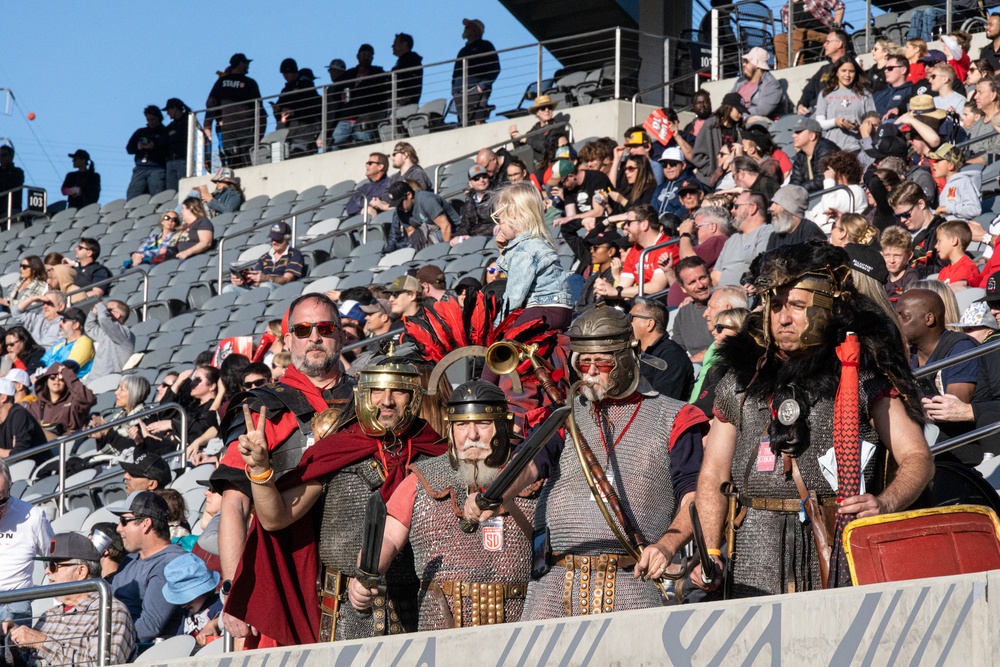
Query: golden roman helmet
point(387, 372)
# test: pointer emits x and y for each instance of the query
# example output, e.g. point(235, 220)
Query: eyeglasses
point(25, 266)
point(4, 501)
point(973, 69)
point(53, 566)
point(325, 329)
point(602, 366)
point(195, 382)
point(48, 303)
point(630, 168)
point(631, 317)
point(82, 247)
point(889, 67)
point(126, 520)
point(399, 152)
point(165, 385)
point(492, 270)
point(905, 215)
point(253, 384)
point(719, 328)
point(371, 162)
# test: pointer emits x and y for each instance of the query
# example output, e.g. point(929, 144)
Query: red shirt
point(630, 266)
point(964, 269)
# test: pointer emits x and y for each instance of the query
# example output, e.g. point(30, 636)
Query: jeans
point(347, 129)
point(19, 612)
point(176, 170)
point(226, 289)
point(478, 105)
point(147, 180)
point(922, 22)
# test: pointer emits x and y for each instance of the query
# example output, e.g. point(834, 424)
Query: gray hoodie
point(114, 343)
point(766, 97)
point(961, 196)
point(46, 333)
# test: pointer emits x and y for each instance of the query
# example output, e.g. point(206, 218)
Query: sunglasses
point(48, 303)
point(4, 501)
point(631, 169)
point(480, 177)
point(888, 67)
point(905, 215)
point(170, 217)
point(25, 266)
point(53, 566)
point(719, 328)
point(165, 385)
point(492, 270)
point(325, 329)
point(602, 366)
point(371, 162)
point(631, 317)
point(195, 382)
point(253, 384)
point(126, 520)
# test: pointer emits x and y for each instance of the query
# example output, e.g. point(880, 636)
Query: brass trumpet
point(503, 357)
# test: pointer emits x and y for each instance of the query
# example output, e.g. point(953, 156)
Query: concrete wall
point(606, 118)
point(944, 621)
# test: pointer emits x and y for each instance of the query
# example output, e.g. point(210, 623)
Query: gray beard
point(315, 369)
point(783, 222)
point(594, 390)
point(476, 474)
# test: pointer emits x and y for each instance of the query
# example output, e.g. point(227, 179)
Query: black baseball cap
point(149, 466)
point(888, 142)
point(688, 185)
point(992, 286)
point(80, 153)
point(74, 314)
point(867, 260)
point(237, 59)
point(396, 193)
point(70, 546)
point(735, 101)
point(598, 236)
point(173, 103)
point(144, 504)
point(288, 66)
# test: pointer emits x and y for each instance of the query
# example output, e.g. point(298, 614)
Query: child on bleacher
point(191, 585)
point(961, 194)
point(897, 251)
point(536, 280)
point(953, 237)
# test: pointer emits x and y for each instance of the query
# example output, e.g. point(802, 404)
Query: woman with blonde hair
point(852, 228)
point(536, 280)
point(915, 50)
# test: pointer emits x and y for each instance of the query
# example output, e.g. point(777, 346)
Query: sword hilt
point(468, 526)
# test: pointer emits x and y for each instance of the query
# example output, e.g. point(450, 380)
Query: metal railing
point(667, 85)
point(964, 439)
point(62, 441)
point(609, 57)
point(114, 279)
point(642, 260)
point(526, 135)
point(974, 353)
point(99, 586)
point(719, 58)
point(24, 212)
point(294, 225)
point(820, 193)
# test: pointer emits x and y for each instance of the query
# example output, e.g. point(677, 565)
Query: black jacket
point(986, 400)
point(677, 380)
point(476, 220)
point(814, 87)
point(409, 85)
point(156, 156)
point(801, 163)
point(483, 69)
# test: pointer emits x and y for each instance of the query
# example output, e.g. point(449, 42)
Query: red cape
point(274, 589)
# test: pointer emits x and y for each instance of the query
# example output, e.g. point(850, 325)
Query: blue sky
point(87, 69)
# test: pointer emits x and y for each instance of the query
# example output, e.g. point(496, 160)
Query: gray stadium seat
point(289, 291)
point(339, 189)
point(315, 192)
point(220, 301)
point(356, 279)
point(470, 245)
point(182, 322)
point(164, 197)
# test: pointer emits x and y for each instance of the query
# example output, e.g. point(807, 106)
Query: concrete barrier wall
point(594, 120)
point(944, 621)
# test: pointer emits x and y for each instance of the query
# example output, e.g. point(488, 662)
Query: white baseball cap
point(20, 376)
point(6, 387)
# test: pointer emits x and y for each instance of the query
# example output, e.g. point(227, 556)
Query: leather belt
point(511, 590)
point(568, 560)
point(597, 580)
point(786, 505)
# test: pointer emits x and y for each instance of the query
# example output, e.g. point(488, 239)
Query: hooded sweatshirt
point(961, 195)
point(843, 103)
point(71, 410)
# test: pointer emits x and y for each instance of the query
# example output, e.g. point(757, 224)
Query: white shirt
point(24, 533)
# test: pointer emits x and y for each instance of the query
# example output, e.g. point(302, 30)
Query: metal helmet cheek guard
point(388, 372)
point(475, 401)
point(606, 330)
point(826, 284)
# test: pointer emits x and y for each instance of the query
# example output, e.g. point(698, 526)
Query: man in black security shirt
point(11, 177)
point(149, 146)
point(177, 141)
point(410, 84)
point(19, 431)
point(483, 70)
point(236, 122)
point(578, 188)
point(88, 271)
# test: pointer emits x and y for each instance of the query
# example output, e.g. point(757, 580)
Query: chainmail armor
point(345, 494)
point(767, 538)
point(640, 464)
point(442, 552)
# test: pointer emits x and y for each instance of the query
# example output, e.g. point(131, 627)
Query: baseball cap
point(404, 284)
point(757, 57)
point(476, 22)
point(76, 315)
point(149, 466)
point(380, 306)
point(477, 170)
point(566, 152)
point(598, 236)
point(352, 310)
point(562, 169)
point(792, 198)
point(635, 139)
point(223, 175)
point(288, 66)
point(237, 59)
point(975, 316)
point(672, 154)
point(6, 387)
point(735, 101)
point(396, 193)
point(173, 103)
point(80, 153)
point(142, 503)
point(810, 124)
point(337, 63)
point(467, 283)
point(688, 185)
point(992, 290)
point(71, 546)
point(867, 260)
point(949, 153)
point(279, 231)
point(935, 56)
point(433, 275)
point(188, 578)
point(888, 142)
point(20, 376)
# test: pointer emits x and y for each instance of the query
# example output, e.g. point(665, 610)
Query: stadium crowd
point(671, 227)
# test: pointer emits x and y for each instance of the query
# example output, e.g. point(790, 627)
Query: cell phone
point(540, 549)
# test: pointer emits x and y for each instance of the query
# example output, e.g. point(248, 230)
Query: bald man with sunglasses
point(301, 408)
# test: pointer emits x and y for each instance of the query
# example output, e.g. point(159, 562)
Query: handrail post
point(145, 295)
point(465, 92)
point(948, 8)
point(103, 622)
point(618, 63)
point(192, 128)
point(222, 244)
point(668, 71)
point(60, 508)
point(437, 173)
point(642, 261)
point(322, 121)
point(791, 37)
point(868, 25)
point(538, 86)
point(256, 133)
point(295, 221)
point(365, 218)
point(392, 109)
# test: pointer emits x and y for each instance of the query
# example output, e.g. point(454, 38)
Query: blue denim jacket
point(534, 275)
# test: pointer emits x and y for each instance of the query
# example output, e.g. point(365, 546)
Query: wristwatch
point(686, 235)
point(227, 586)
point(987, 239)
